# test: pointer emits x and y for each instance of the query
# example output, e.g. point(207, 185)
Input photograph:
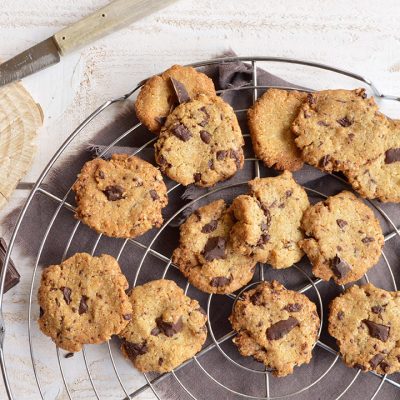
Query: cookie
point(162, 93)
point(276, 326)
point(337, 130)
point(83, 301)
point(166, 329)
point(201, 142)
point(344, 238)
point(205, 255)
point(268, 220)
point(270, 121)
point(122, 197)
point(379, 178)
point(366, 325)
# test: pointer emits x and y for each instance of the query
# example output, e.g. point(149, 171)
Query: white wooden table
point(363, 37)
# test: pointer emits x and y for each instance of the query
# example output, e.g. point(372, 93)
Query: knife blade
point(110, 18)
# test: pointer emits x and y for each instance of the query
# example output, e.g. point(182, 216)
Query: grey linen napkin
point(226, 76)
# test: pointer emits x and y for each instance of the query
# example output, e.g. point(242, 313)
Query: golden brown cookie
point(158, 97)
point(344, 238)
point(276, 326)
point(122, 197)
point(270, 121)
point(205, 255)
point(83, 301)
point(166, 329)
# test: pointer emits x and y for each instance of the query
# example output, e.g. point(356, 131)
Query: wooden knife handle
point(117, 14)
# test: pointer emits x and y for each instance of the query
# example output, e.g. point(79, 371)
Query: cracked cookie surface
point(205, 255)
point(201, 142)
point(268, 220)
point(270, 121)
point(344, 238)
point(166, 329)
point(83, 301)
point(276, 326)
point(122, 197)
point(365, 321)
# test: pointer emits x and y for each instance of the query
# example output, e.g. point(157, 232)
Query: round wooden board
point(20, 119)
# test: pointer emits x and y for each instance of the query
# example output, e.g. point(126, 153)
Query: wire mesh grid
point(217, 342)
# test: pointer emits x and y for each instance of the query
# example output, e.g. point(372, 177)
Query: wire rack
point(266, 389)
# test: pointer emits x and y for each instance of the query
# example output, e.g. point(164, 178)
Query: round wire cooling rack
point(269, 388)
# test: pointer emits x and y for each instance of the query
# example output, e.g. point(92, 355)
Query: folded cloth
point(227, 75)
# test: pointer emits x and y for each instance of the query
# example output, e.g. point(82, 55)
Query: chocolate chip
point(322, 123)
point(377, 309)
point(69, 355)
point(180, 90)
point(264, 238)
point(267, 213)
point(160, 120)
point(101, 174)
point(359, 366)
point(306, 114)
point(67, 294)
point(155, 331)
point(288, 193)
point(181, 132)
point(324, 161)
point(220, 281)
point(236, 156)
point(351, 136)
point(340, 267)
point(340, 315)
point(341, 223)
point(197, 177)
point(361, 93)
point(162, 160)
point(135, 349)
point(114, 192)
point(281, 328)
point(293, 307)
point(345, 122)
point(210, 227)
point(83, 307)
point(376, 360)
point(255, 298)
point(154, 195)
point(41, 312)
point(169, 329)
point(310, 99)
point(205, 137)
point(160, 361)
point(392, 155)
point(211, 164)
point(198, 215)
point(221, 154)
point(368, 239)
point(214, 248)
point(377, 331)
point(127, 317)
point(385, 366)
point(204, 110)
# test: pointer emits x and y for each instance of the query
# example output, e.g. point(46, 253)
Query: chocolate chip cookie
point(166, 329)
point(270, 122)
point(366, 325)
point(276, 326)
point(380, 177)
point(205, 255)
point(83, 301)
point(122, 197)
point(201, 142)
point(338, 130)
point(344, 238)
point(162, 93)
point(268, 220)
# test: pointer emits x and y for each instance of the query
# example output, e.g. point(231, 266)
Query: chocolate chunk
point(197, 177)
point(154, 195)
point(236, 156)
point(41, 312)
point(340, 267)
point(345, 122)
point(180, 90)
point(255, 298)
point(324, 161)
point(281, 328)
point(155, 331)
point(160, 120)
point(198, 215)
point(69, 355)
point(162, 160)
point(341, 223)
point(310, 99)
point(264, 238)
point(169, 329)
point(214, 248)
point(377, 331)
point(392, 155)
point(67, 294)
point(206, 117)
point(376, 360)
point(101, 174)
point(181, 132)
point(288, 193)
point(12, 275)
point(293, 307)
point(160, 361)
point(210, 227)
point(385, 366)
point(322, 123)
point(211, 164)
point(340, 315)
point(127, 317)
point(83, 307)
point(221, 154)
point(114, 192)
point(205, 137)
point(377, 309)
point(359, 366)
point(368, 239)
point(135, 349)
point(220, 281)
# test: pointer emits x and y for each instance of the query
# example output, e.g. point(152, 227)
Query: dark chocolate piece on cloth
point(12, 275)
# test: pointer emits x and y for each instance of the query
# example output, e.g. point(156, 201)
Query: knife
point(112, 17)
